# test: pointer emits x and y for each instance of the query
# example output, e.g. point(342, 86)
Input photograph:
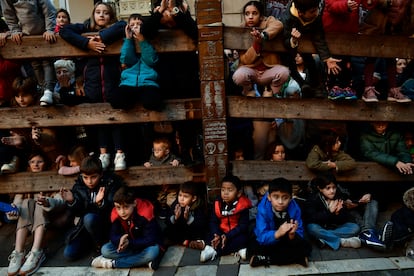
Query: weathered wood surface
point(36, 47)
point(26, 182)
point(297, 171)
point(339, 44)
point(319, 109)
point(96, 114)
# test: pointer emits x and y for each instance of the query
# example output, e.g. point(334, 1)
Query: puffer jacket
point(316, 160)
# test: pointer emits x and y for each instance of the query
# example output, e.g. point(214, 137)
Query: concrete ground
point(184, 261)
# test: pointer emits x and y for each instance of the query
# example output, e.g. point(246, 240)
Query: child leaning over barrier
point(279, 230)
point(135, 236)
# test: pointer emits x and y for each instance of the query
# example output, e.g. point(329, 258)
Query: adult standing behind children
point(101, 74)
point(257, 66)
point(34, 18)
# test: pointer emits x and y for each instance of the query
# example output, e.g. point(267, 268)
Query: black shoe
point(259, 260)
point(155, 264)
point(320, 243)
point(304, 262)
point(386, 234)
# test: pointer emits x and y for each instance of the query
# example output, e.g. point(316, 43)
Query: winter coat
point(140, 67)
point(165, 161)
point(101, 73)
point(32, 17)
point(316, 160)
point(265, 223)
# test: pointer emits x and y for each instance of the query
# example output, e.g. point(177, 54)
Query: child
point(256, 65)
point(328, 221)
point(386, 147)
point(91, 199)
point(75, 157)
point(327, 155)
point(62, 19)
point(276, 152)
point(229, 222)
point(101, 74)
point(135, 235)
point(161, 154)
point(34, 216)
point(188, 223)
point(139, 80)
point(34, 18)
point(279, 231)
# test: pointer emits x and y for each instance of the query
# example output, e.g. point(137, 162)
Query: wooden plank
point(96, 114)
point(36, 47)
point(297, 171)
point(339, 44)
point(49, 181)
point(319, 109)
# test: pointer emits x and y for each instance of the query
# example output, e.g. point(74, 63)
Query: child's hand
point(404, 168)
point(365, 199)
point(13, 140)
point(223, 241)
point(36, 134)
point(67, 195)
point(283, 229)
point(216, 241)
point(186, 212)
point(95, 44)
point(349, 204)
point(3, 38)
point(60, 161)
point(147, 164)
point(128, 32)
point(16, 37)
point(177, 211)
point(49, 36)
point(42, 200)
point(333, 67)
point(175, 163)
point(123, 243)
point(294, 224)
point(100, 196)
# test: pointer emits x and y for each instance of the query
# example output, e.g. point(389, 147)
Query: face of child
point(124, 211)
point(252, 16)
point(309, 15)
point(62, 19)
point(36, 164)
point(298, 59)
point(328, 191)
point(229, 192)
point(380, 127)
point(238, 155)
point(91, 180)
point(160, 151)
point(63, 76)
point(185, 199)
point(279, 200)
point(279, 153)
point(73, 162)
point(24, 99)
point(400, 65)
point(337, 145)
point(102, 16)
point(134, 24)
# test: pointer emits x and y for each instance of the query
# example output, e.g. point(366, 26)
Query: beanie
point(408, 199)
point(65, 63)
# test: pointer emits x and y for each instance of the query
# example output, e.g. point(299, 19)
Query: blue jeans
point(369, 219)
point(333, 237)
point(129, 258)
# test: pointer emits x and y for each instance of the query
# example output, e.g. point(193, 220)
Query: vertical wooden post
point(213, 96)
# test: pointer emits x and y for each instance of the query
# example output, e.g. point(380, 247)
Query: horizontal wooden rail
point(49, 181)
point(319, 109)
point(36, 47)
point(96, 114)
point(298, 171)
point(339, 44)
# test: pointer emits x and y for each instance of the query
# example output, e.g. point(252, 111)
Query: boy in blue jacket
point(135, 235)
point(279, 230)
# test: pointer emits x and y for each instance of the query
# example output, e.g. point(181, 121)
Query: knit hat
point(65, 63)
point(408, 198)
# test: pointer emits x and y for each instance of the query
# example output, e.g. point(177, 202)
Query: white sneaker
point(353, 242)
point(102, 262)
point(47, 98)
point(105, 160)
point(32, 263)
point(15, 262)
point(120, 163)
point(10, 167)
point(208, 254)
point(243, 253)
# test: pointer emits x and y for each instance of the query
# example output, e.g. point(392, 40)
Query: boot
point(47, 98)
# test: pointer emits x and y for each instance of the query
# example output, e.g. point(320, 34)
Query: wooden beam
point(36, 47)
point(96, 114)
point(298, 171)
point(339, 44)
point(319, 109)
point(50, 181)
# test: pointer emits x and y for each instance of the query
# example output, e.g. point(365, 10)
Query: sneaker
point(353, 242)
point(15, 262)
point(304, 262)
point(47, 98)
point(320, 243)
point(386, 234)
point(32, 263)
point(198, 244)
point(336, 93)
point(102, 262)
point(119, 161)
point(259, 260)
point(11, 167)
point(242, 253)
point(409, 252)
point(350, 94)
point(370, 94)
point(155, 264)
point(395, 95)
point(370, 238)
point(105, 160)
point(208, 254)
